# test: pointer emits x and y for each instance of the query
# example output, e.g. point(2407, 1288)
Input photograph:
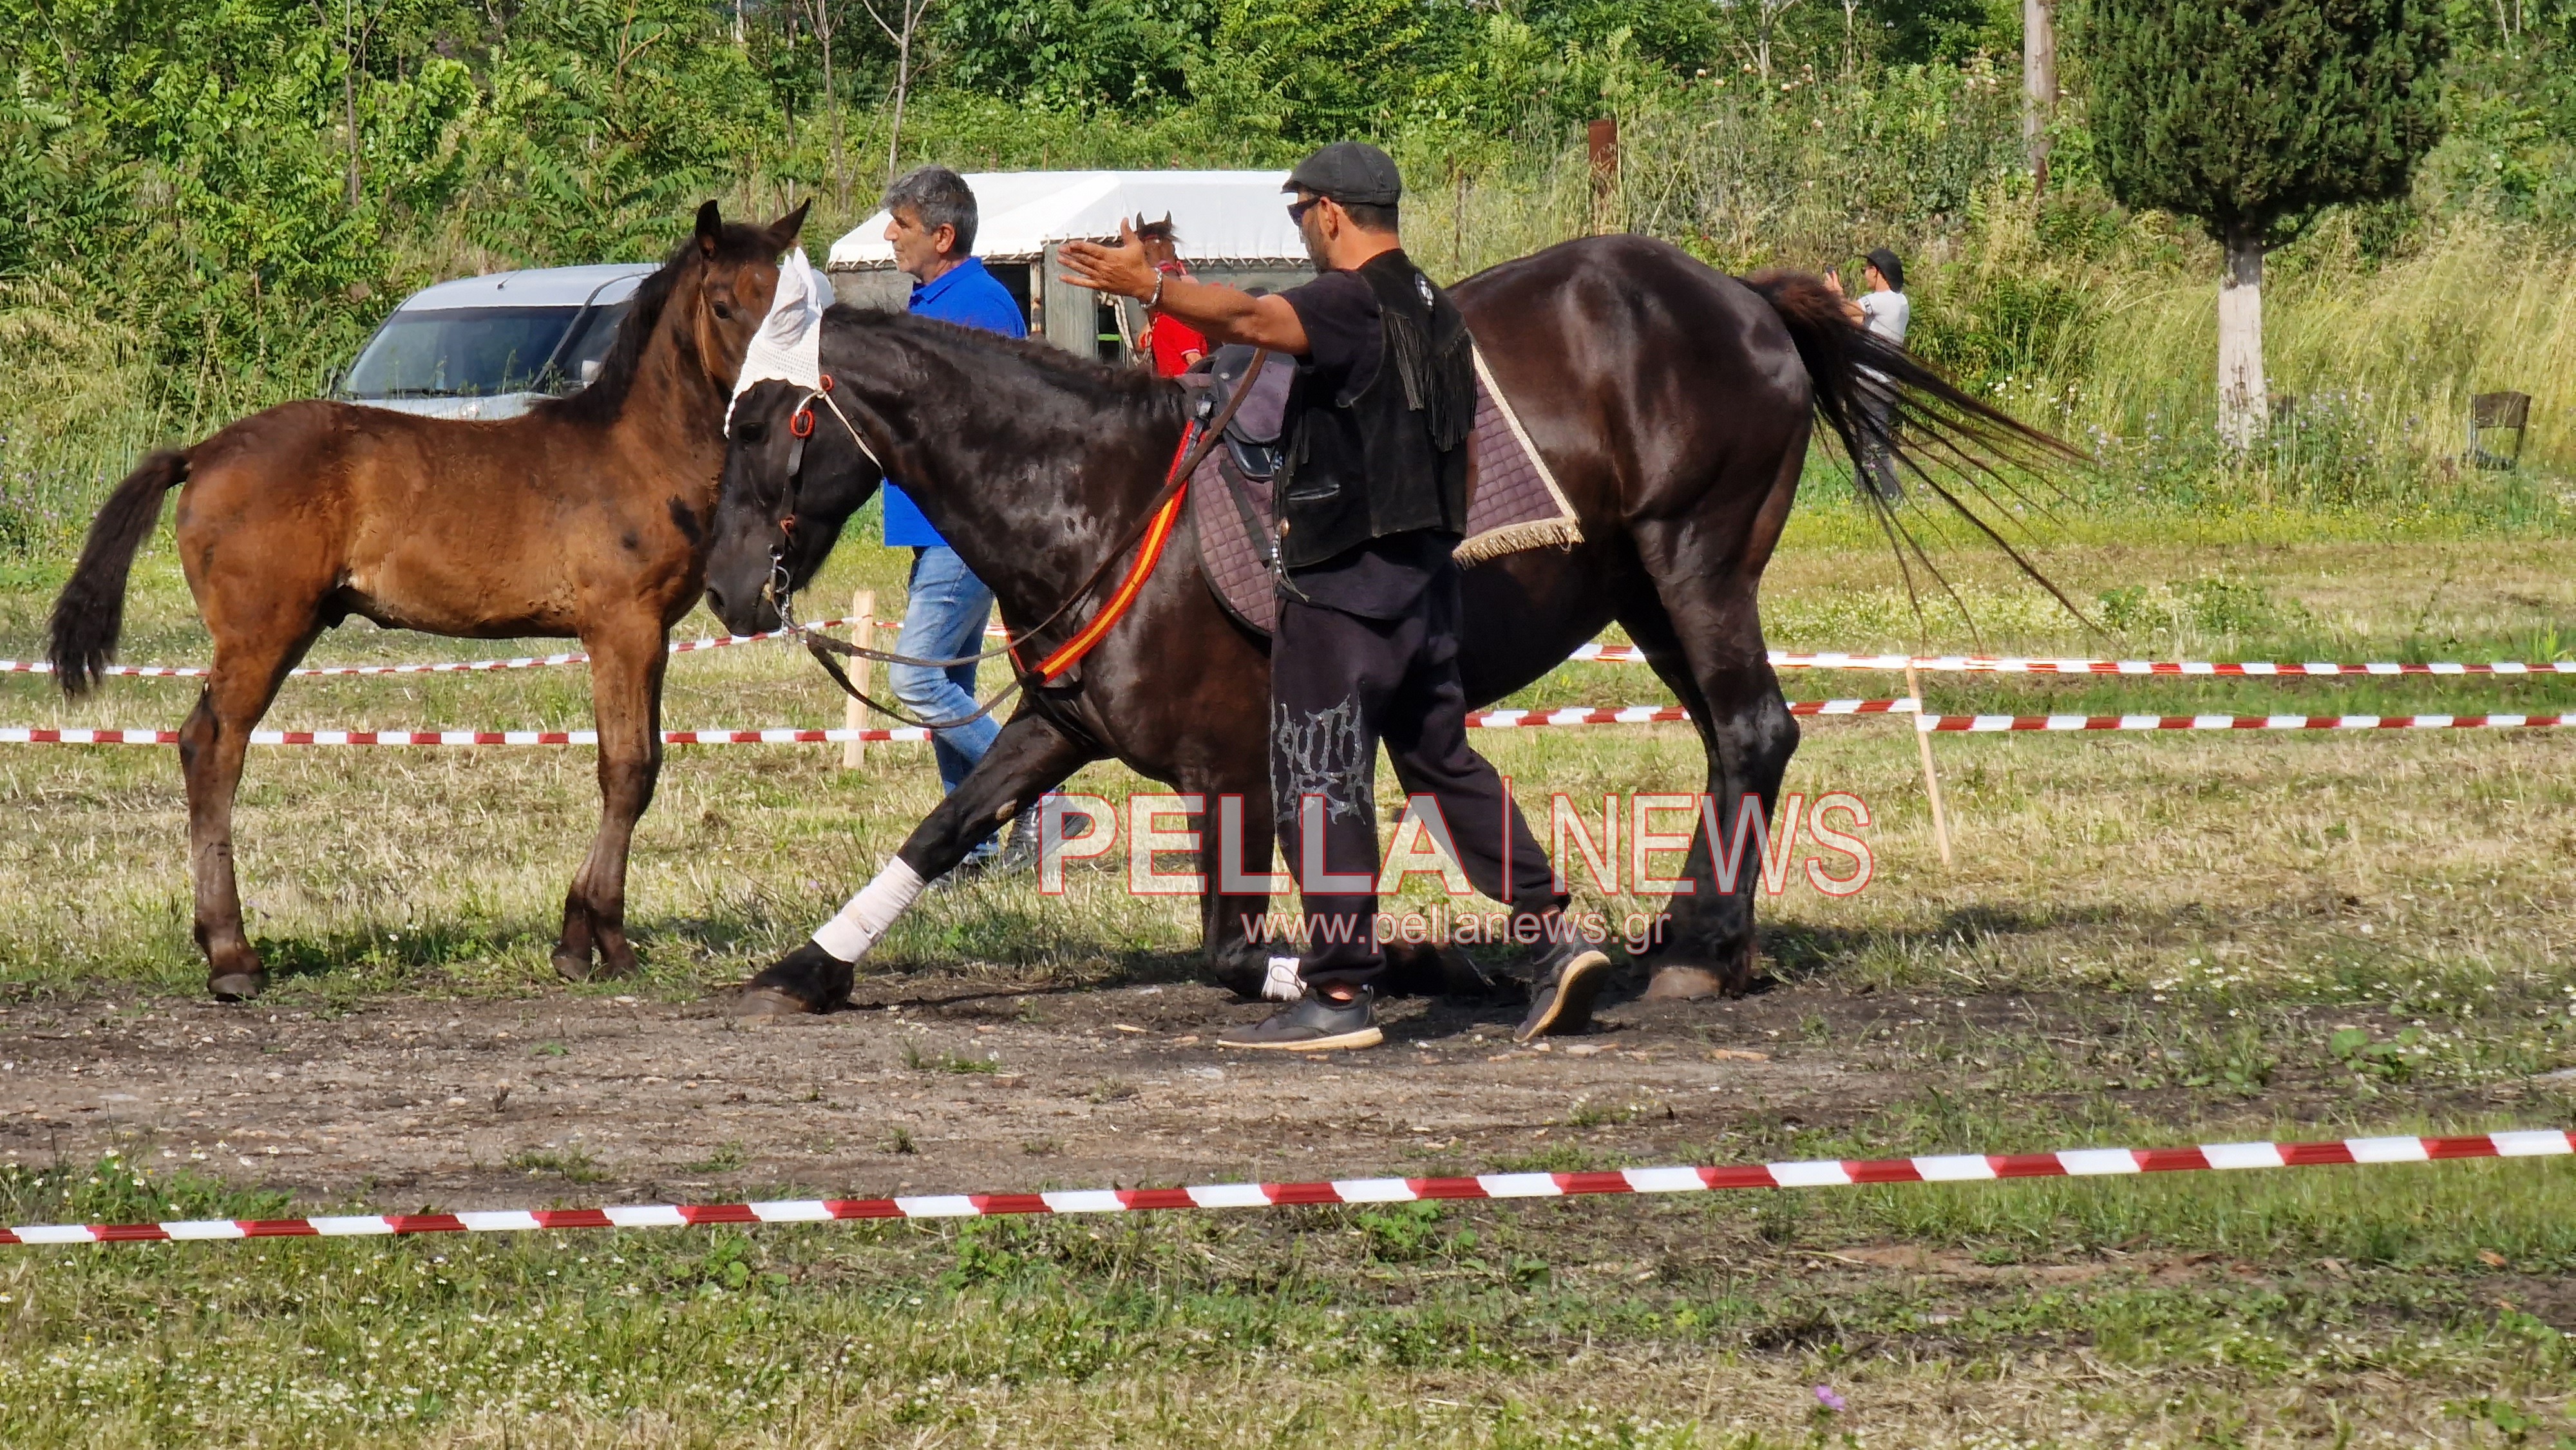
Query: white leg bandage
point(849, 934)
point(1283, 984)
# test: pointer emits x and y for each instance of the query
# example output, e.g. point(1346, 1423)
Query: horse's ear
point(710, 228)
point(785, 230)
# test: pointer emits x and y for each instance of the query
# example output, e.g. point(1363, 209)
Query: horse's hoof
point(1684, 984)
point(575, 968)
point(1429, 970)
point(1240, 974)
point(749, 1001)
point(237, 986)
point(808, 979)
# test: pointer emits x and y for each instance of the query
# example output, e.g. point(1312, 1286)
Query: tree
point(1766, 16)
point(901, 30)
point(821, 10)
point(1311, 71)
point(2251, 116)
point(1130, 58)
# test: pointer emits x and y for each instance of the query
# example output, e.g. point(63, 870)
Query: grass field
point(2145, 939)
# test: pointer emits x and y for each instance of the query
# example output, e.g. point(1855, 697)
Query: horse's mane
point(1095, 385)
point(605, 398)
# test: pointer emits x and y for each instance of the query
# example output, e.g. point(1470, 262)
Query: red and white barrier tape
point(1595, 653)
point(1814, 1173)
point(1629, 654)
point(1476, 720)
point(1998, 724)
point(1668, 714)
point(2247, 669)
point(21, 735)
point(443, 667)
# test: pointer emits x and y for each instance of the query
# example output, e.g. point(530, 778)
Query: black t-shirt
point(1383, 578)
point(1344, 338)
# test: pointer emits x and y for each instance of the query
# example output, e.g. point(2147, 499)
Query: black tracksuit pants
point(1339, 684)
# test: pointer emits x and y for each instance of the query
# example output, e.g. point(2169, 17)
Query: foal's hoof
point(583, 969)
point(1684, 984)
point(237, 986)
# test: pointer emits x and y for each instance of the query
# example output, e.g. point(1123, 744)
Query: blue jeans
point(943, 620)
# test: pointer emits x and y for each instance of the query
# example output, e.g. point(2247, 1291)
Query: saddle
point(1513, 501)
point(1230, 494)
point(1253, 439)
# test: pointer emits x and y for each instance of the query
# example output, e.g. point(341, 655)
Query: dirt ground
point(935, 1085)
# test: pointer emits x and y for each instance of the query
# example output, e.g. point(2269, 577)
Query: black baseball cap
point(1353, 173)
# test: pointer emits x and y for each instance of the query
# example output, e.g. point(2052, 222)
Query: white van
point(491, 347)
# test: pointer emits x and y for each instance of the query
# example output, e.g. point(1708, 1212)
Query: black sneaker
point(1314, 1023)
point(1020, 856)
point(1568, 978)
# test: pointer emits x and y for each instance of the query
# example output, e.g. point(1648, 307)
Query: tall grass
point(2112, 329)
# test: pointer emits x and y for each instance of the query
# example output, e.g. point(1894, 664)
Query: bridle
point(781, 589)
point(1199, 437)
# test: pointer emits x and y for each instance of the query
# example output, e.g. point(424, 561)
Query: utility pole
point(2038, 86)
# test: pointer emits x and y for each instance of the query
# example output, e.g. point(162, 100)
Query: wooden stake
point(854, 716)
point(1602, 140)
point(1931, 781)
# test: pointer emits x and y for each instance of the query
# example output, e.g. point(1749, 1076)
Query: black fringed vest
point(1393, 459)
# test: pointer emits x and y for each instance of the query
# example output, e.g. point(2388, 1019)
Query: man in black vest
point(1372, 499)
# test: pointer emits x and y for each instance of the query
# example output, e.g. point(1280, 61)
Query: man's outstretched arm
point(1225, 314)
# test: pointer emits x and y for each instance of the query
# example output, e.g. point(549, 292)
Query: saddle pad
point(1513, 503)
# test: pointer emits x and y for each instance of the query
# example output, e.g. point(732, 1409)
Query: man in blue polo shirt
point(932, 226)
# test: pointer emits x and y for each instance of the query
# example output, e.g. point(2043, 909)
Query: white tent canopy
point(1231, 216)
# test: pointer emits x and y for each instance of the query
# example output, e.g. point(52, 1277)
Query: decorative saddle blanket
point(1513, 502)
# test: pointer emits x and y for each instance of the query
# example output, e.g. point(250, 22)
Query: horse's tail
point(90, 612)
point(1879, 398)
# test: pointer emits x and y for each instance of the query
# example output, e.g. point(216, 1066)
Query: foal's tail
point(91, 610)
point(1877, 397)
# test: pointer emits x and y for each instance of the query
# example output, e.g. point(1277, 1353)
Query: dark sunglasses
point(1297, 209)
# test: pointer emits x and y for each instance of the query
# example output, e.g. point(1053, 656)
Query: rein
point(1199, 437)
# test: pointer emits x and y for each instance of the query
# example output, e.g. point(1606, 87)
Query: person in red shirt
point(1173, 344)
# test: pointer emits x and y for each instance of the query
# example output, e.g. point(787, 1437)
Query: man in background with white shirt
point(1884, 310)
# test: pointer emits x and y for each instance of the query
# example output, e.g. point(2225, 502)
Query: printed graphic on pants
point(1321, 754)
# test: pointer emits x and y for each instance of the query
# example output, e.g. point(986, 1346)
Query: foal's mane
point(601, 402)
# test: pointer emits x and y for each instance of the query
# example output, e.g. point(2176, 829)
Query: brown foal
point(585, 517)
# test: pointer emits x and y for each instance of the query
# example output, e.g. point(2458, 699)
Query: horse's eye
point(723, 312)
point(750, 432)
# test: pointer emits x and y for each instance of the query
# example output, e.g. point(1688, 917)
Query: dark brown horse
point(586, 516)
point(1673, 403)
